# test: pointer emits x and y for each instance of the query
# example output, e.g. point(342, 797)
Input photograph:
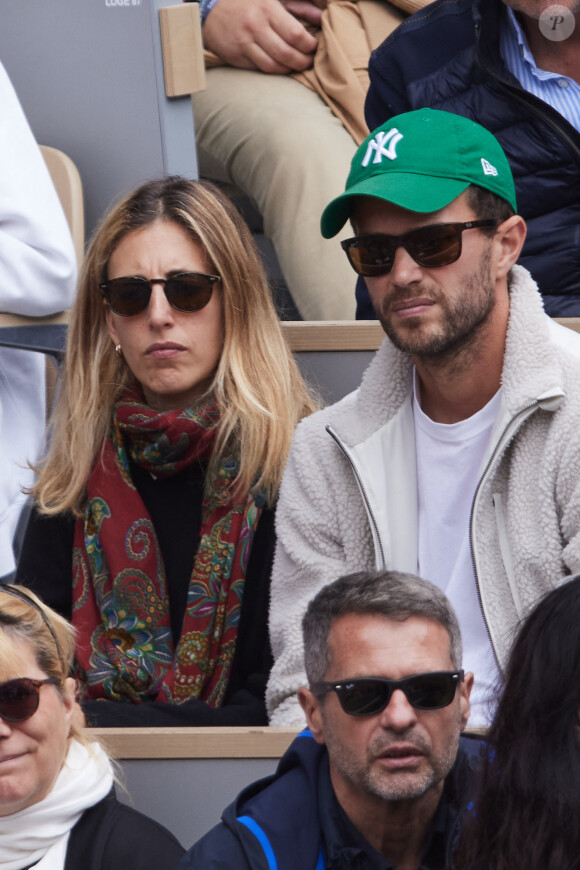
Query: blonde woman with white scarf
point(58, 810)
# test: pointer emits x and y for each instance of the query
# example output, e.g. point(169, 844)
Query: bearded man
point(514, 67)
point(458, 458)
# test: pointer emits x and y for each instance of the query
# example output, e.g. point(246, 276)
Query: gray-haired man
point(381, 779)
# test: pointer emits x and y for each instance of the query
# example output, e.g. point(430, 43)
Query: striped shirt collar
point(559, 91)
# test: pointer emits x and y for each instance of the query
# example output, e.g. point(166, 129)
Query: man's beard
point(367, 777)
point(412, 786)
point(461, 319)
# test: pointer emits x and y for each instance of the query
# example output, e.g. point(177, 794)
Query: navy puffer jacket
point(447, 56)
point(288, 821)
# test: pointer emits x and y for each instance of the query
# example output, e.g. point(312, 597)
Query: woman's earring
point(119, 350)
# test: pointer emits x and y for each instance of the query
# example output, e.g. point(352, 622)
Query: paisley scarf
point(125, 648)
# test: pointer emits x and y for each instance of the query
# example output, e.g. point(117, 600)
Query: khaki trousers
point(281, 145)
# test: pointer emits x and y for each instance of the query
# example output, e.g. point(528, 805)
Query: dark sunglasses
point(432, 246)
point(19, 699)
point(366, 696)
point(188, 291)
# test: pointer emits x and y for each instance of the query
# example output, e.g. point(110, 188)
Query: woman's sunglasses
point(188, 291)
point(19, 699)
point(432, 246)
point(366, 696)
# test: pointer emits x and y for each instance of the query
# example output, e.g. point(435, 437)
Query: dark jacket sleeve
point(386, 95)
point(217, 850)
point(112, 836)
point(418, 50)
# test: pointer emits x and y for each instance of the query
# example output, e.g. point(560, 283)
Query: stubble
point(461, 321)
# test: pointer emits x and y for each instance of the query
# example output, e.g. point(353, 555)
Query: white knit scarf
point(39, 834)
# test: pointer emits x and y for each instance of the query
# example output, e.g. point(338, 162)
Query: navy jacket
point(447, 57)
point(293, 820)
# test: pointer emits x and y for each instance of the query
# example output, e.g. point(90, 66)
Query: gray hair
point(389, 593)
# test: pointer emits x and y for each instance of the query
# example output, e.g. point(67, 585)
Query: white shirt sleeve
point(37, 277)
point(37, 258)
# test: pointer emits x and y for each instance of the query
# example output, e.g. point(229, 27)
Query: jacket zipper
point(490, 462)
point(363, 492)
point(536, 110)
point(452, 839)
point(373, 521)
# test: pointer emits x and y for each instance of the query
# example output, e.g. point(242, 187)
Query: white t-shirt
point(450, 460)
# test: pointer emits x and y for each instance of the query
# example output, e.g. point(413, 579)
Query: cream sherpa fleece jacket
point(348, 497)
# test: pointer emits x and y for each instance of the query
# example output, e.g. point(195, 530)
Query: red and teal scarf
point(125, 648)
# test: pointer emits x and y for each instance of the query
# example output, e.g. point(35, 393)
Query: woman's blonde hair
point(24, 617)
point(257, 386)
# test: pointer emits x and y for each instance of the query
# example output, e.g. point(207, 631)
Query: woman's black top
point(174, 504)
point(112, 836)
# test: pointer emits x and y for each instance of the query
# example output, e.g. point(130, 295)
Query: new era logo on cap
point(488, 169)
point(393, 137)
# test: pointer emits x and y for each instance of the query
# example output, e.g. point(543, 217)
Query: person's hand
point(309, 10)
point(262, 35)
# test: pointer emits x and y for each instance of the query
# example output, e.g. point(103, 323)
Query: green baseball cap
point(422, 161)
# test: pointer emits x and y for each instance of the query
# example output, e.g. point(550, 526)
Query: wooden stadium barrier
point(333, 355)
point(332, 335)
point(570, 322)
point(185, 777)
point(202, 742)
point(352, 335)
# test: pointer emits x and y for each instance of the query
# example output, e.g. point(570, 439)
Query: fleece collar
point(531, 369)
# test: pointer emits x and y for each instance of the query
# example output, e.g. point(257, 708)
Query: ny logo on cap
point(488, 169)
point(393, 137)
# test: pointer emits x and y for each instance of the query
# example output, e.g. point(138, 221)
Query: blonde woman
point(58, 809)
point(153, 525)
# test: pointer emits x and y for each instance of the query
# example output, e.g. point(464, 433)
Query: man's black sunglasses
point(19, 699)
point(431, 246)
point(366, 696)
point(187, 291)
